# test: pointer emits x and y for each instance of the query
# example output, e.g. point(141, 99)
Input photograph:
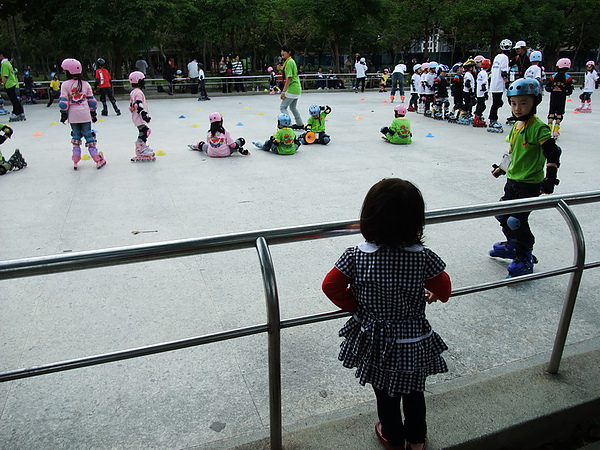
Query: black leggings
point(414, 427)
point(361, 82)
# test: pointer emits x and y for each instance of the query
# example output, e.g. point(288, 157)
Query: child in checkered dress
point(386, 283)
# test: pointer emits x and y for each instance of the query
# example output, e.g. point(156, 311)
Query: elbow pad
point(552, 152)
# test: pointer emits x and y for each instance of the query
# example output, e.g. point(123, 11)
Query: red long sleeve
point(335, 287)
point(440, 286)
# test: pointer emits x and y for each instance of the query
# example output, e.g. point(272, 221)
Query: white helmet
point(506, 44)
point(416, 67)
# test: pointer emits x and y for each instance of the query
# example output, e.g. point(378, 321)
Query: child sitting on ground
point(315, 129)
point(219, 143)
point(284, 141)
point(399, 131)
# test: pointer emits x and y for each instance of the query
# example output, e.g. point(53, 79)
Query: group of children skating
point(469, 87)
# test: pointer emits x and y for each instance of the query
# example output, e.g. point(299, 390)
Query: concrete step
point(519, 409)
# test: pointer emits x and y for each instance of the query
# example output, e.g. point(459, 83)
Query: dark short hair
point(5, 53)
point(393, 213)
point(287, 48)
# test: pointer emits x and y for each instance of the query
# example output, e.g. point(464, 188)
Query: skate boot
point(76, 156)
point(17, 117)
point(99, 160)
point(3, 112)
point(117, 111)
point(587, 108)
point(104, 112)
point(556, 131)
point(451, 117)
point(495, 127)
point(197, 147)
point(506, 249)
point(143, 152)
point(392, 99)
point(17, 161)
point(411, 108)
point(478, 122)
point(5, 166)
point(511, 121)
point(427, 113)
point(465, 118)
point(402, 98)
point(522, 265)
point(579, 108)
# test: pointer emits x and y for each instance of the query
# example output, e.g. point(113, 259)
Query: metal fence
point(261, 240)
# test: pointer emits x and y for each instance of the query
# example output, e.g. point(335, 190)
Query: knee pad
point(240, 141)
point(513, 223)
point(325, 139)
point(76, 142)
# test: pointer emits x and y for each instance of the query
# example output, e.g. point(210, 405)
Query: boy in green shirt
point(399, 131)
point(10, 82)
point(532, 150)
point(284, 141)
point(315, 129)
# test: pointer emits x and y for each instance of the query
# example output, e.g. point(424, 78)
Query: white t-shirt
point(469, 80)
point(499, 65)
point(400, 68)
point(361, 70)
point(590, 81)
point(192, 69)
point(428, 83)
point(415, 83)
point(482, 83)
point(534, 71)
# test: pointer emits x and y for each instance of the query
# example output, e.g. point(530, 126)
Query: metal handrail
point(162, 250)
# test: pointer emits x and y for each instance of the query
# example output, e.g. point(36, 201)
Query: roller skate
point(99, 160)
point(451, 117)
point(427, 113)
point(197, 147)
point(17, 117)
point(411, 108)
point(478, 122)
point(465, 119)
point(495, 127)
point(587, 107)
point(521, 265)
point(5, 166)
point(402, 97)
point(392, 99)
point(506, 249)
point(3, 112)
point(143, 153)
point(511, 121)
point(17, 161)
point(555, 131)
point(437, 113)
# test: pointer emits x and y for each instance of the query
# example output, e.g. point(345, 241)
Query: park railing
point(252, 83)
point(31, 267)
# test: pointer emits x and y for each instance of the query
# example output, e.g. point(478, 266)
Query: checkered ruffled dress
point(388, 340)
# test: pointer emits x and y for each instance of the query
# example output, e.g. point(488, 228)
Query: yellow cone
point(160, 153)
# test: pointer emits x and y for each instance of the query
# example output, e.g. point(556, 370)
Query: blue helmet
point(284, 120)
point(443, 68)
point(524, 86)
point(433, 65)
point(536, 55)
point(314, 110)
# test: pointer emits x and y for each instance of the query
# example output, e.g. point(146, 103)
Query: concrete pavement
point(216, 396)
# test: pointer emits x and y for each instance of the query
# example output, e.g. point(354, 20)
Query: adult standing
point(398, 80)
point(222, 67)
point(169, 73)
point(11, 84)
point(498, 83)
point(291, 87)
point(521, 59)
point(141, 65)
point(193, 75)
point(237, 66)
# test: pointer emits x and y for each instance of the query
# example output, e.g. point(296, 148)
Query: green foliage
point(118, 30)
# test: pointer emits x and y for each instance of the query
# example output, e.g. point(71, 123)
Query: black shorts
point(557, 104)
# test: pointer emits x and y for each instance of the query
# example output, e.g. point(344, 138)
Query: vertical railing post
point(574, 282)
point(274, 339)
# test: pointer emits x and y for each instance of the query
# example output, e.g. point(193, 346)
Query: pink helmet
point(563, 63)
point(479, 58)
point(425, 66)
point(270, 69)
point(215, 117)
point(400, 110)
point(71, 65)
point(591, 63)
point(136, 76)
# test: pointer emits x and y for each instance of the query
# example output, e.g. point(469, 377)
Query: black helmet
point(100, 61)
